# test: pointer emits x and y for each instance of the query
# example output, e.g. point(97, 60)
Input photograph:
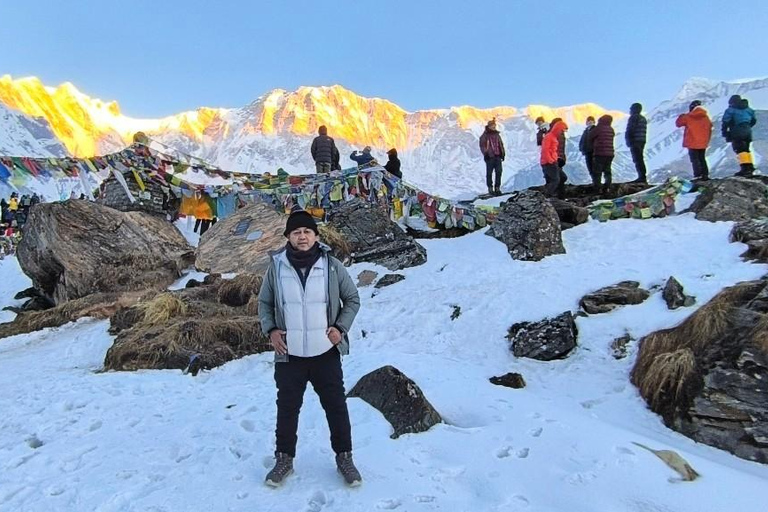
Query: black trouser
point(493, 166)
point(204, 225)
point(699, 163)
point(639, 160)
point(552, 177)
point(601, 168)
point(324, 372)
point(588, 157)
point(740, 146)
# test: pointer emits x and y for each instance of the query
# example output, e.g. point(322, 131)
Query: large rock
point(76, 248)
point(609, 298)
point(552, 338)
point(731, 199)
point(399, 399)
point(529, 226)
point(241, 243)
point(708, 376)
point(373, 237)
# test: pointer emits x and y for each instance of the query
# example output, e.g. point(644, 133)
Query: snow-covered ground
point(74, 439)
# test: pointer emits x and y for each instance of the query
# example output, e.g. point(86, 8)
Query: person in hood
point(362, 158)
point(492, 148)
point(323, 150)
point(553, 173)
point(307, 304)
point(541, 130)
point(601, 138)
point(696, 136)
point(737, 124)
point(635, 137)
point(393, 164)
point(585, 143)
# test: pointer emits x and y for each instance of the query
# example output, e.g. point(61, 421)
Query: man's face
point(492, 125)
point(302, 239)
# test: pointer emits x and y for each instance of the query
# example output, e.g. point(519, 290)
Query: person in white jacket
point(307, 304)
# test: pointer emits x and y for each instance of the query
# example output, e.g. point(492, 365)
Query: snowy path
point(74, 439)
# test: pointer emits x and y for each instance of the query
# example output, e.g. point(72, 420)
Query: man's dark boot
point(283, 468)
point(346, 467)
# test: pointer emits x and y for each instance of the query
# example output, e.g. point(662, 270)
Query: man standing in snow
point(738, 121)
point(601, 139)
point(492, 148)
point(696, 137)
point(323, 150)
point(635, 137)
point(585, 143)
point(307, 304)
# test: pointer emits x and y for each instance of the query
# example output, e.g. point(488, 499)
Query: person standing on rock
point(696, 137)
point(323, 150)
point(738, 121)
point(553, 173)
point(585, 143)
point(362, 158)
point(601, 139)
point(635, 137)
point(561, 158)
point(393, 164)
point(492, 148)
point(307, 304)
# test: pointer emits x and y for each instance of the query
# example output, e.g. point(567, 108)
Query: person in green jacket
point(307, 304)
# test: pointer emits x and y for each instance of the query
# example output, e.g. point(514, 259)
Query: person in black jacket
point(541, 129)
point(393, 164)
point(635, 137)
point(323, 150)
point(586, 145)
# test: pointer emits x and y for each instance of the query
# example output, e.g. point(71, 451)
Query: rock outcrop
point(242, 242)
point(731, 199)
point(552, 338)
point(674, 295)
point(373, 237)
point(399, 399)
point(708, 377)
point(76, 248)
point(529, 226)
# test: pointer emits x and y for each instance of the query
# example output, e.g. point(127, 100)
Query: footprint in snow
point(522, 453)
point(316, 502)
point(247, 425)
point(96, 425)
point(503, 453)
point(536, 432)
point(389, 504)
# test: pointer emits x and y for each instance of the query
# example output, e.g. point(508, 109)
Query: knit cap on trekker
point(300, 219)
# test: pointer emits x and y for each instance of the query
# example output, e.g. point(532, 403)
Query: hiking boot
point(497, 191)
point(346, 467)
point(490, 191)
point(283, 468)
point(640, 180)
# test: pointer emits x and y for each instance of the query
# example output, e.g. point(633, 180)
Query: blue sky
point(159, 57)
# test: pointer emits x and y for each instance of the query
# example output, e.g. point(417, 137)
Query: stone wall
point(150, 201)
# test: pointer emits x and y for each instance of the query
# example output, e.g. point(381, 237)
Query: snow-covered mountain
point(438, 148)
point(23, 135)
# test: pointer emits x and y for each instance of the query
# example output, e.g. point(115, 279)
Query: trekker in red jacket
point(553, 174)
point(602, 146)
point(696, 137)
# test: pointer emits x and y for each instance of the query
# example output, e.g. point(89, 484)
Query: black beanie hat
point(300, 219)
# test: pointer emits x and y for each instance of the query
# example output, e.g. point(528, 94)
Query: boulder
point(242, 242)
point(731, 199)
point(674, 295)
point(76, 248)
point(529, 226)
point(372, 236)
point(708, 376)
point(609, 298)
point(389, 280)
point(552, 338)
point(509, 380)
point(399, 399)
point(569, 213)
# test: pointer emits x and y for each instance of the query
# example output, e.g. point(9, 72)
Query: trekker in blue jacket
point(738, 121)
point(362, 158)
